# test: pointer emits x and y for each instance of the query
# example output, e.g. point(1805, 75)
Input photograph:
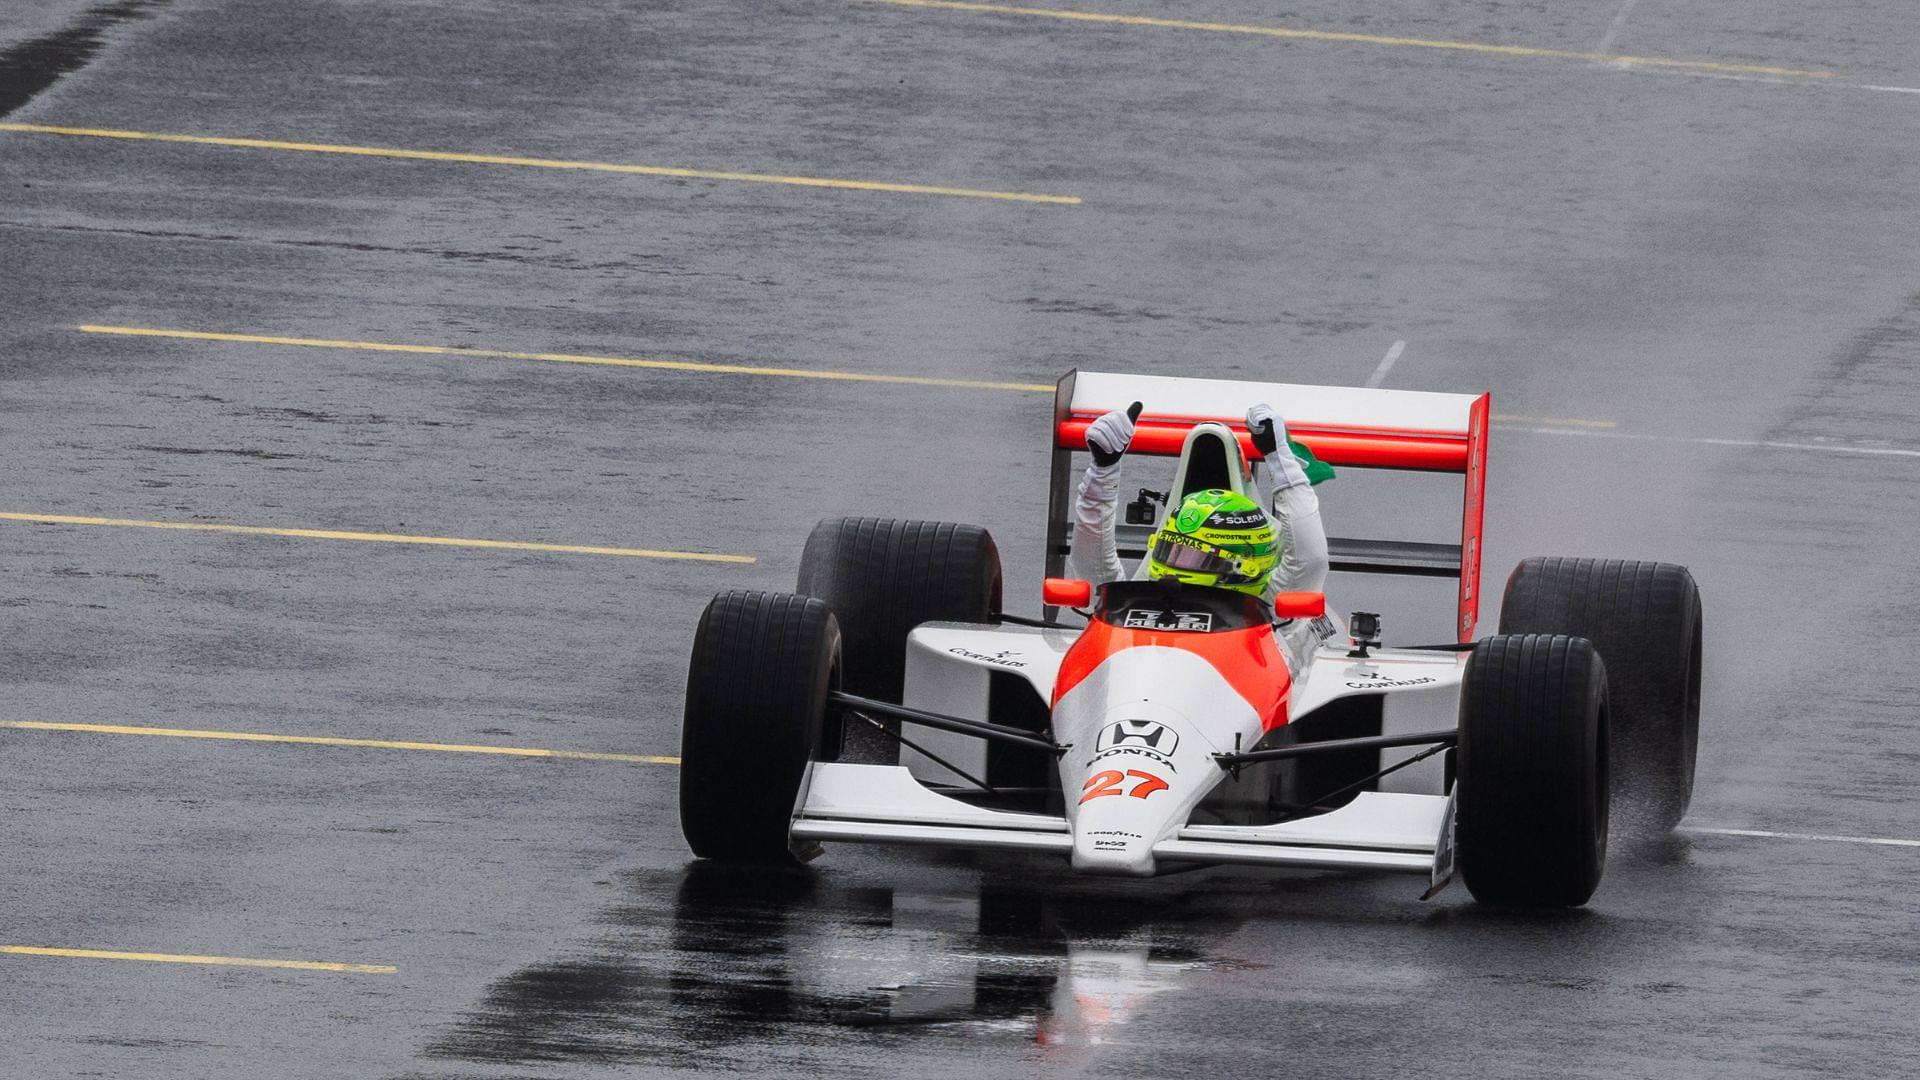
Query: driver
point(1214, 538)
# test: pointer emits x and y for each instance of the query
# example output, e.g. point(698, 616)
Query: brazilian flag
point(1318, 471)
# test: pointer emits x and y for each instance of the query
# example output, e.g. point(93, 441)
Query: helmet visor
point(1191, 556)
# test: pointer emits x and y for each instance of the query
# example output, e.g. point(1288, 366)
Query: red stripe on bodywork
point(1248, 659)
point(1380, 449)
point(1473, 515)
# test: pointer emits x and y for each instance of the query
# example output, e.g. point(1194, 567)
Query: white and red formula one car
point(889, 700)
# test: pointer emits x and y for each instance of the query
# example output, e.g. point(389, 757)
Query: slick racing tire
point(757, 687)
point(1645, 619)
point(1532, 791)
point(881, 579)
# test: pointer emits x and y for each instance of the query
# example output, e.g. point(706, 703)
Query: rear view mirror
point(1299, 605)
point(1068, 592)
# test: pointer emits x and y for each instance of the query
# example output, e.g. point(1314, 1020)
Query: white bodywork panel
point(1388, 671)
point(947, 669)
point(947, 665)
point(1239, 472)
point(885, 804)
point(1137, 766)
point(1123, 737)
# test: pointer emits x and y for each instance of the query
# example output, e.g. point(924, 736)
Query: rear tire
point(756, 697)
point(1645, 619)
point(881, 579)
point(1532, 795)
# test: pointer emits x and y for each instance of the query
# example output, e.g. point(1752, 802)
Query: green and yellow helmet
point(1217, 538)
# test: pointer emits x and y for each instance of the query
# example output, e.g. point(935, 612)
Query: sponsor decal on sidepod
point(998, 659)
point(1373, 680)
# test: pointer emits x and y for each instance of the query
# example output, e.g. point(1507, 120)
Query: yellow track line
point(383, 538)
point(180, 958)
point(325, 740)
point(1358, 39)
point(670, 365)
point(541, 163)
point(568, 358)
point(321, 740)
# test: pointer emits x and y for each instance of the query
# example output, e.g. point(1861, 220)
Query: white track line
point(1876, 841)
point(1627, 65)
point(1748, 444)
point(1386, 364)
point(1613, 29)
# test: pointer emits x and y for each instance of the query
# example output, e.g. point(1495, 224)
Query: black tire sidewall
point(1645, 619)
point(757, 684)
point(881, 578)
point(1532, 791)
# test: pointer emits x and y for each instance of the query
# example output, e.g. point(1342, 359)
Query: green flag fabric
point(1317, 471)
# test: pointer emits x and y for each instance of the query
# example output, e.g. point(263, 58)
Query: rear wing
point(1404, 430)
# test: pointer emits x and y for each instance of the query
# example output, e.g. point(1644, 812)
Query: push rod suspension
point(1371, 742)
point(980, 728)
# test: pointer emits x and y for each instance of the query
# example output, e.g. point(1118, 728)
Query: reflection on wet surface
point(30, 67)
point(738, 957)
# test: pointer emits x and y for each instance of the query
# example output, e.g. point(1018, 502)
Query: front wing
point(884, 804)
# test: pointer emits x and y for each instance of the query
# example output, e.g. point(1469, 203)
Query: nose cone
point(1138, 765)
point(1135, 788)
point(1110, 837)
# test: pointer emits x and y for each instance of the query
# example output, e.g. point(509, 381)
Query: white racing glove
point(1270, 439)
point(1110, 436)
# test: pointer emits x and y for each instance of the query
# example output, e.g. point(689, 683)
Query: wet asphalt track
point(1680, 255)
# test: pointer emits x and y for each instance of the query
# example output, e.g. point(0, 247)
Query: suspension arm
point(981, 728)
point(1372, 742)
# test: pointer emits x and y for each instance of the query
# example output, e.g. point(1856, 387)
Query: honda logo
point(1149, 736)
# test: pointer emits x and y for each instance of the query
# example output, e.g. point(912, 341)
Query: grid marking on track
point(690, 366)
point(640, 759)
point(369, 537)
point(454, 157)
point(328, 740)
point(186, 958)
point(1346, 37)
point(1517, 424)
point(1511, 423)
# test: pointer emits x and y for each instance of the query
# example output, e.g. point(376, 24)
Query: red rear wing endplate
point(1350, 426)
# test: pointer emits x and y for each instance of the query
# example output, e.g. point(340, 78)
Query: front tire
point(1645, 619)
point(1531, 798)
point(756, 699)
